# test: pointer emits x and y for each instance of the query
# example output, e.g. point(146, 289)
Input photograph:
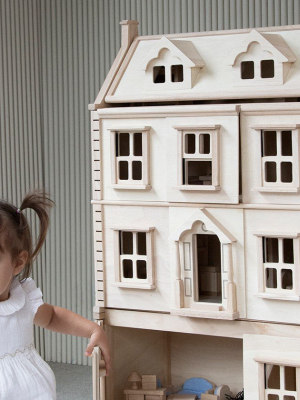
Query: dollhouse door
point(202, 275)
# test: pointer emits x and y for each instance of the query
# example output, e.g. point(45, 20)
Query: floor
point(73, 382)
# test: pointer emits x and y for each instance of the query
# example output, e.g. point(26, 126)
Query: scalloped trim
point(16, 299)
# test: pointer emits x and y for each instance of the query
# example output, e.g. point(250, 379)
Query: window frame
point(278, 293)
point(213, 156)
point(263, 391)
point(280, 187)
point(134, 283)
point(144, 183)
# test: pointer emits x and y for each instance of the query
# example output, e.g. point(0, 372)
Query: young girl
point(23, 373)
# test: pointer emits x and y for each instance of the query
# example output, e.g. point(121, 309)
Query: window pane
point(177, 73)
point(136, 170)
point(271, 278)
point(137, 144)
point(141, 244)
point(267, 68)
point(123, 144)
point(204, 140)
point(269, 143)
point(127, 269)
point(287, 279)
point(190, 143)
point(247, 70)
point(141, 266)
point(288, 397)
point(271, 250)
point(199, 172)
point(127, 243)
point(273, 397)
point(290, 378)
point(272, 376)
point(288, 251)
point(270, 171)
point(159, 75)
point(286, 172)
point(123, 170)
point(286, 143)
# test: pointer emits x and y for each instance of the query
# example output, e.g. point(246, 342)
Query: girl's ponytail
point(39, 201)
point(15, 233)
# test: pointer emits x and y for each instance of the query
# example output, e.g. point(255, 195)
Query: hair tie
point(18, 211)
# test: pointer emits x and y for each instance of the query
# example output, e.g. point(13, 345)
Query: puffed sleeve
point(33, 293)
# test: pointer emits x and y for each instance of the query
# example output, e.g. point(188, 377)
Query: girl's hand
point(98, 338)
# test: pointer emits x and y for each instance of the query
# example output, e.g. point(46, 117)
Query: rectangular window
point(130, 158)
point(133, 249)
point(280, 382)
point(279, 267)
point(278, 260)
point(199, 158)
point(277, 157)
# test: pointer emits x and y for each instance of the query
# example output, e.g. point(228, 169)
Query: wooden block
point(206, 396)
point(149, 382)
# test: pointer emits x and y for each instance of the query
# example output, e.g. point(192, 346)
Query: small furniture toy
point(141, 394)
point(149, 382)
point(196, 387)
point(135, 378)
point(220, 393)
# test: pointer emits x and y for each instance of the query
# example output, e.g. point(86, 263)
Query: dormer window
point(267, 69)
point(247, 70)
point(177, 73)
point(159, 74)
point(261, 59)
point(172, 64)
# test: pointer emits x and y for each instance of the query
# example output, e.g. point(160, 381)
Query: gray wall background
point(54, 55)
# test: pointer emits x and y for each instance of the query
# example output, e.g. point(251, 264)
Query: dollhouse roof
point(271, 43)
point(182, 49)
point(217, 51)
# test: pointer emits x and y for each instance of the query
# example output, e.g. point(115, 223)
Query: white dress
point(24, 375)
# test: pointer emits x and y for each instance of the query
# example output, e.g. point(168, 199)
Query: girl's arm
point(60, 320)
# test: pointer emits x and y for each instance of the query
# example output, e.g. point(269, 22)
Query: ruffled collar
point(16, 299)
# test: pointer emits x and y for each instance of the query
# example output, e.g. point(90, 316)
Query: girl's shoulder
point(33, 293)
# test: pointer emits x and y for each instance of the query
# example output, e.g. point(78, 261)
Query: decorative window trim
point(263, 391)
point(213, 156)
point(281, 187)
point(263, 292)
point(144, 184)
point(150, 281)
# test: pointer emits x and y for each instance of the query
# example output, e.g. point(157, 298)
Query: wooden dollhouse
point(196, 199)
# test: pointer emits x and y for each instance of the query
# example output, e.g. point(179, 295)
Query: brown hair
point(15, 233)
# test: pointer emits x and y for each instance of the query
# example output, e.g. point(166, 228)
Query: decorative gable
point(172, 64)
point(261, 59)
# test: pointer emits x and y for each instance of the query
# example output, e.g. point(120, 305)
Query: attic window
point(267, 69)
point(177, 73)
point(159, 74)
point(247, 69)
